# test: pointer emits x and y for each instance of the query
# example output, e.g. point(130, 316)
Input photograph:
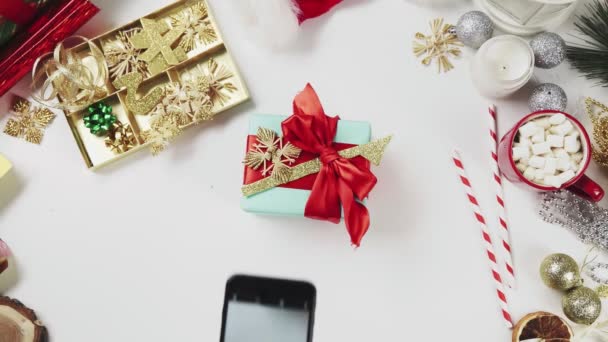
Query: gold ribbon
point(62, 80)
point(372, 151)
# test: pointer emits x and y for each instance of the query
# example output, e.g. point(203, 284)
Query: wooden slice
point(19, 323)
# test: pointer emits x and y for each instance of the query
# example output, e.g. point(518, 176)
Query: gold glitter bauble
point(560, 271)
point(582, 305)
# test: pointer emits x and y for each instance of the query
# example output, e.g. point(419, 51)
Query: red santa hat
point(277, 22)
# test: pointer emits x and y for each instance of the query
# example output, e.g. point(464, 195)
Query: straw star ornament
point(272, 155)
point(440, 45)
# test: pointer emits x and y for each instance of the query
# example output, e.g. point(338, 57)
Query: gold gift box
point(92, 147)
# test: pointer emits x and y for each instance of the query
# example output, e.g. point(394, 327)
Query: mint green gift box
point(291, 202)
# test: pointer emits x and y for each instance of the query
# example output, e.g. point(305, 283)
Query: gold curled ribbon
point(372, 151)
point(121, 138)
point(63, 80)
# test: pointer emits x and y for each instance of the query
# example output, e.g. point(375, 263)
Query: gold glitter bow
point(372, 151)
point(121, 138)
point(77, 78)
point(598, 113)
point(439, 45)
point(28, 122)
point(270, 148)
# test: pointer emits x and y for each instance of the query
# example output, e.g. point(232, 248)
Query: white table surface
point(141, 250)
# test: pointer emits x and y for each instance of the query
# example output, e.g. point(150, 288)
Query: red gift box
point(60, 21)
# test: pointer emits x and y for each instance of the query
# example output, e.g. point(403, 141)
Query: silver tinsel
point(474, 28)
point(549, 50)
point(548, 96)
point(585, 218)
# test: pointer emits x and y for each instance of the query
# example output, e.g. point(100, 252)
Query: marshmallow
point(564, 164)
point(528, 130)
point(520, 152)
point(554, 181)
point(529, 173)
point(539, 174)
point(555, 140)
point(572, 144)
point(561, 153)
point(525, 142)
point(557, 119)
point(566, 176)
point(537, 162)
point(539, 136)
point(543, 122)
point(574, 134)
point(541, 148)
point(550, 166)
point(577, 157)
point(562, 129)
point(521, 167)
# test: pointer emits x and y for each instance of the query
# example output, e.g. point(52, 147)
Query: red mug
point(580, 184)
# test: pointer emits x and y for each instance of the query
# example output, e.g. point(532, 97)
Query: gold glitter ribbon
point(599, 119)
point(63, 80)
point(372, 151)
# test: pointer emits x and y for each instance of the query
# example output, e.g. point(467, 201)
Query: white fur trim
point(272, 22)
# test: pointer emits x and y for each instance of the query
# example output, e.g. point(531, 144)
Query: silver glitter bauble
point(582, 305)
point(548, 96)
point(474, 28)
point(560, 271)
point(549, 50)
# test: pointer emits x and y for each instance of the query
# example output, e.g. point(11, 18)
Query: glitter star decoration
point(156, 37)
point(598, 113)
point(195, 23)
point(122, 56)
point(28, 122)
point(163, 130)
point(272, 155)
point(439, 45)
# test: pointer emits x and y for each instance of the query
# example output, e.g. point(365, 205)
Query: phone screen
point(267, 310)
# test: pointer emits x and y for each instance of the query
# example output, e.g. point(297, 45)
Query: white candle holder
point(502, 65)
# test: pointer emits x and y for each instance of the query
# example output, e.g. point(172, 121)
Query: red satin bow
point(314, 8)
point(339, 180)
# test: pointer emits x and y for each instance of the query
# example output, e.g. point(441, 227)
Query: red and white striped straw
point(487, 239)
point(503, 225)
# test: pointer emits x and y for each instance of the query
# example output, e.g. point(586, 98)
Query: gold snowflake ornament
point(439, 45)
point(270, 153)
point(195, 23)
point(28, 122)
point(163, 130)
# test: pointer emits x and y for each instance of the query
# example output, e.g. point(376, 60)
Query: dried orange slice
point(544, 326)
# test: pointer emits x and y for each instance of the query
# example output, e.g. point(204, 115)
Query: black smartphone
point(258, 309)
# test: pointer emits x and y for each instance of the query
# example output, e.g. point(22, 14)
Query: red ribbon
point(340, 180)
point(314, 8)
point(18, 11)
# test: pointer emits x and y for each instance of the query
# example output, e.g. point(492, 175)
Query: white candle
point(502, 65)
